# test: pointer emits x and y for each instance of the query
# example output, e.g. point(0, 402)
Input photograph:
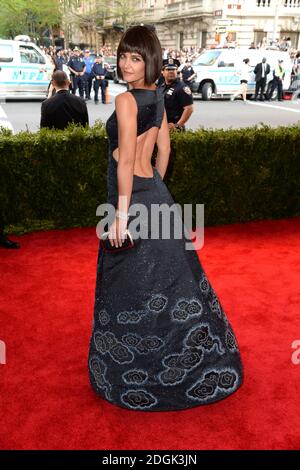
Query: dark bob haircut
point(144, 41)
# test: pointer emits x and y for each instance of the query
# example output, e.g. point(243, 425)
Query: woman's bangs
point(132, 48)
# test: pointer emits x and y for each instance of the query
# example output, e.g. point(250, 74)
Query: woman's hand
point(116, 232)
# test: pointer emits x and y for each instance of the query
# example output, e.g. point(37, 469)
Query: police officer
point(88, 77)
point(278, 74)
point(178, 96)
point(98, 72)
point(187, 73)
point(77, 68)
point(59, 59)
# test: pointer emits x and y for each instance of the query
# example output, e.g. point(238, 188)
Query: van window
point(226, 61)
point(207, 58)
point(6, 53)
point(29, 55)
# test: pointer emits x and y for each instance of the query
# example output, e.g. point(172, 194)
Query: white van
point(217, 70)
point(25, 71)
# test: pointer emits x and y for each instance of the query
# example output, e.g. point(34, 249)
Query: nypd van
point(25, 71)
point(217, 71)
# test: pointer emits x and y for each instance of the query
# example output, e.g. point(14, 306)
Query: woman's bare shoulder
point(125, 99)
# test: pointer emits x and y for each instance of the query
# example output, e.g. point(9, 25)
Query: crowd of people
point(187, 54)
point(282, 44)
point(52, 51)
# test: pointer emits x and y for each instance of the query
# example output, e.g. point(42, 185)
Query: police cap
point(170, 64)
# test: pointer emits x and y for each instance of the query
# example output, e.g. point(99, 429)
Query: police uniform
point(60, 62)
point(186, 72)
point(97, 71)
point(78, 65)
point(88, 77)
point(278, 74)
point(177, 94)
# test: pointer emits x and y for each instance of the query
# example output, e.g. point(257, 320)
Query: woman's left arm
point(126, 111)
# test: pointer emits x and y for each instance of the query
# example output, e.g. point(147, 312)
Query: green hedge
point(58, 178)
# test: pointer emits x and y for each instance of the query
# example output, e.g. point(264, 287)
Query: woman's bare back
point(144, 149)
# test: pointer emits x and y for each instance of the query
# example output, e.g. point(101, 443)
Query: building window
point(259, 37)
point(180, 37)
point(202, 39)
point(294, 37)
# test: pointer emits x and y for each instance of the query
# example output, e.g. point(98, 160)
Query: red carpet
point(47, 294)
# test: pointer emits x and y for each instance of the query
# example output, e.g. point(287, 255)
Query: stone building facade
point(200, 23)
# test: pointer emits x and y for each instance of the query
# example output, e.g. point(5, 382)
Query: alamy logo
point(160, 220)
point(2, 352)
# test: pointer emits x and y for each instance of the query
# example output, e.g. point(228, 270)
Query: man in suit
point(63, 108)
point(262, 69)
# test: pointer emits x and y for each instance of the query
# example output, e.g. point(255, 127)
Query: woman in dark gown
point(160, 339)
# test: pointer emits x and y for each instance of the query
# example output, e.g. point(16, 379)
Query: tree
point(31, 17)
point(121, 11)
point(68, 10)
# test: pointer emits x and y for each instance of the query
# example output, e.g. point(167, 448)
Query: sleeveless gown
point(160, 338)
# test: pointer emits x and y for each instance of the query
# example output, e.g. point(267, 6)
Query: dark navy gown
point(160, 338)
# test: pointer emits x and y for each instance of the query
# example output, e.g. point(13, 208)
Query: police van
point(25, 71)
point(217, 71)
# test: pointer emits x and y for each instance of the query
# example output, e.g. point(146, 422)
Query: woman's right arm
point(164, 147)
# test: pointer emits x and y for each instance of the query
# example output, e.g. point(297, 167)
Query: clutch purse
point(128, 243)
